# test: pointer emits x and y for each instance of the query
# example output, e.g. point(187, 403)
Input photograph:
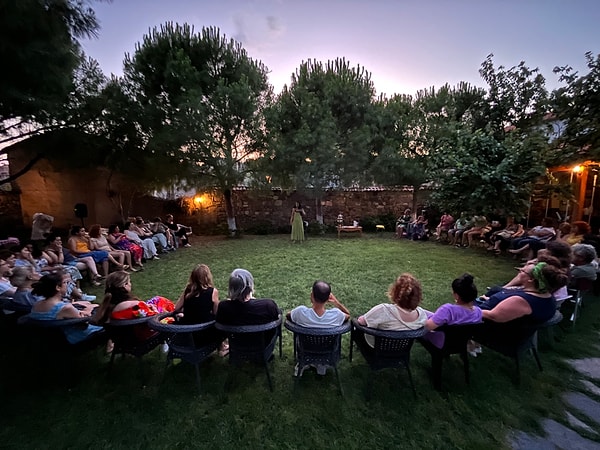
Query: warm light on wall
point(198, 200)
point(577, 169)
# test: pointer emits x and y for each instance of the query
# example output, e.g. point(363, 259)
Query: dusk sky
point(406, 45)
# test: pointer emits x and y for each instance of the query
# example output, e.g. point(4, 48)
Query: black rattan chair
point(317, 347)
point(185, 343)
point(253, 343)
point(513, 338)
point(455, 343)
point(391, 349)
point(127, 338)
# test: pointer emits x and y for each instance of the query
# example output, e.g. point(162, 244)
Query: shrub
point(262, 228)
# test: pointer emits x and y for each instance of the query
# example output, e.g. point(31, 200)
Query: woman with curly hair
point(403, 313)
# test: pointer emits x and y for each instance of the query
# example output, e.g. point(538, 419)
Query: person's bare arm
point(507, 310)
point(339, 305)
point(430, 325)
point(215, 300)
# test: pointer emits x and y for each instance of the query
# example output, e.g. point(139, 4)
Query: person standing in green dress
point(297, 222)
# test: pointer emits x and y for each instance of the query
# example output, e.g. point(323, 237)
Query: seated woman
point(463, 311)
point(535, 239)
point(198, 304)
point(52, 288)
point(122, 242)
point(159, 229)
point(402, 223)
point(179, 232)
point(584, 263)
point(120, 304)
point(79, 245)
point(444, 226)
point(242, 308)
point(579, 229)
point(99, 242)
point(417, 230)
point(500, 240)
point(146, 243)
point(460, 226)
point(534, 301)
point(403, 313)
point(23, 278)
point(479, 226)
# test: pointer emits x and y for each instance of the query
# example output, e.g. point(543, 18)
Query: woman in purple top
point(463, 311)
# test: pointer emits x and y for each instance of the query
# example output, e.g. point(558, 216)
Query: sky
point(406, 45)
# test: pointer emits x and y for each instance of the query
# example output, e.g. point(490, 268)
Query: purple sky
point(406, 45)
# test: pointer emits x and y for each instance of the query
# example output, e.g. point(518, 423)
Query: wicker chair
point(253, 343)
point(391, 349)
point(317, 346)
point(125, 335)
point(455, 343)
point(514, 338)
point(184, 345)
point(581, 286)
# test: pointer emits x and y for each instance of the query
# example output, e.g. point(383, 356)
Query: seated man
point(6, 288)
point(317, 316)
point(584, 262)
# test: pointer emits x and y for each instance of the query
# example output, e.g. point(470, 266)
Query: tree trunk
point(318, 210)
point(230, 213)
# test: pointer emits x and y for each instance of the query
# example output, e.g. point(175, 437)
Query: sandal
point(96, 283)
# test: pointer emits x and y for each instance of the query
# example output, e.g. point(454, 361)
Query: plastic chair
point(514, 338)
point(581, 287)
point(391, 349)
point(184, 344)
point(253, 343)
point(455, 343)
point(317, 347)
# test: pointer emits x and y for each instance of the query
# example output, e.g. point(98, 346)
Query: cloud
point(257, 33)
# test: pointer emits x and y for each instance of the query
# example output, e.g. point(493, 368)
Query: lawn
point(122, 413)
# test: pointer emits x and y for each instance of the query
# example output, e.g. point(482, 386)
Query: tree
point(39, 37)
point(201, 100)
point(576, 106)
point(319, 129)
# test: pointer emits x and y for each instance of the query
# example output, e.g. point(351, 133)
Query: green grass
point(119, 413)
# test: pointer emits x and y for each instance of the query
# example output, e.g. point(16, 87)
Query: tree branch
point(24, 170)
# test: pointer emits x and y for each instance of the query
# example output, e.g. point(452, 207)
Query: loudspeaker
point(80, 210)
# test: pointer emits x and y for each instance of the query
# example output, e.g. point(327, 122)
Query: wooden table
point(349, 229)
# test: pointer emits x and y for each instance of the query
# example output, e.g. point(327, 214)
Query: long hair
point(114, 293)
point(200, 279)
point(94, 231)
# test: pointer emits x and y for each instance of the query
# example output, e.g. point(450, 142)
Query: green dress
point(297, 227)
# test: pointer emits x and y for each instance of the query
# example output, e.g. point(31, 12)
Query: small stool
point(380, 229)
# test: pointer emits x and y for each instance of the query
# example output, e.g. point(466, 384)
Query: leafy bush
point(316, 229)
point(261, 228)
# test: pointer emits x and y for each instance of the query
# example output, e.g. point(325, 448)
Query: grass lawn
point(121, 413)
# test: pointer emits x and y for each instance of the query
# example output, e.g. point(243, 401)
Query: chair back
point(317, 346)
point(133, 336)
point(456, 337)
point(254, 343)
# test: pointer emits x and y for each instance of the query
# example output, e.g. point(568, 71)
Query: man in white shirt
point(317, 316)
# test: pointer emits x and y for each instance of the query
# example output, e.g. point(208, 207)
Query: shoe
point(133, 269)
point(96, 283)
point(125, 267)
point(155, 257)
point(88, 298)
point(187, 245)
point(164, 348)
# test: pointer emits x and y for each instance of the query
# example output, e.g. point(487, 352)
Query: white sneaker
point(88, 298)
point(164, 348)
point(187, 245)
point(155, 257)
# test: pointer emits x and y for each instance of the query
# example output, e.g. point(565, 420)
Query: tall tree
point(201, 101)
point(40, 48)
point(576, 108)
point(319, 130)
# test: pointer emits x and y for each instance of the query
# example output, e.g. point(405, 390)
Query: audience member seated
point(500, 240)
point(6, 288)
point(99, 242)
point(180, 233)
point(53, 288)
point(143, 230)
point(417, 230)
point(79, 246)
point(23, 278)
point(584, 263)
point(198, 304)
point(121, 241)
point(533, 301)
point(463, 311)
point(534, 239)
point(444, 226)
point(146, 243)
point(479, 226)
point(159, 229)
point(318, 316)
point(55, 257)
point(120, 304)
point(402, 223)
point(242, 308)
point(403, 313)
point(579, 230)
point(460, 226)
